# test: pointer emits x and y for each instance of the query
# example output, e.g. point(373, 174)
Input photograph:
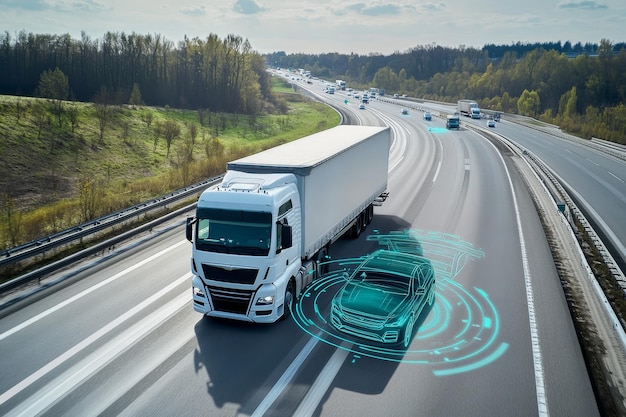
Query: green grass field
point(55, 175)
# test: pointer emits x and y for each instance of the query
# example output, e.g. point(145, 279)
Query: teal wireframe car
point(384, 296)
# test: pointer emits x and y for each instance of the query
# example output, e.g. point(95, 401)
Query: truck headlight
point(263, 301)
point(198, 292)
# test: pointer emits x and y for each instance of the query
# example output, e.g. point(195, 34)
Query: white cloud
point(434, 7)
point(247, 7)
point(587, 5)
point(27, 4)
point(86, 5)
point(199, 10)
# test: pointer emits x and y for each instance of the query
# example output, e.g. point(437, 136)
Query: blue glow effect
point(438, 130)
point(479, 364)
point(458, 333)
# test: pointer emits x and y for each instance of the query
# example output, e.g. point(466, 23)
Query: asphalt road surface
point(121, 338)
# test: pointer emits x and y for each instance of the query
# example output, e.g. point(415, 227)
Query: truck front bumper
point(236, 304)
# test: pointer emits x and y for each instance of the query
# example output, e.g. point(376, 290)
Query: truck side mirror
point(189, 228)
point(284, 236)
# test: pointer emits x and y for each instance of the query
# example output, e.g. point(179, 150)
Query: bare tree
point(157, 132)
point(171, 130)
point(72, 113)
point(184, 157)
point(88, 195)
point(125, 131)
point(213, 148)
point(147, 117)
point(20, 109)
point(13, 219)
point(135, 96)
point(192, 131)
point(55, 86)
point(103, 101)
point(39, 113)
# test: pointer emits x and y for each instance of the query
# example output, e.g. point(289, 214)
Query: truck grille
point(230, 300)
point(235, 276)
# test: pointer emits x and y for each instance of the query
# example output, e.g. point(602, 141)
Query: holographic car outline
point(384, 296)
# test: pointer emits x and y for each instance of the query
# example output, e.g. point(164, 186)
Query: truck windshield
point(233, 231)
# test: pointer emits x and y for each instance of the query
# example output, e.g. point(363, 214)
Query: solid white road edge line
point(542, 400)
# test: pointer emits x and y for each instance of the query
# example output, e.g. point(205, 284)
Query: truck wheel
point(370, 213)
point(356, 228)
point(290, 299)
point(322, 259)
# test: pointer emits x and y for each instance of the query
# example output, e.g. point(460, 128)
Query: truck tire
point(364, 219)
point(322, 259)
point(355, 232)
point(290, 299)
point(370, 213)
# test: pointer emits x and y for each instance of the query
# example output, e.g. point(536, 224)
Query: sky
point(320, 26)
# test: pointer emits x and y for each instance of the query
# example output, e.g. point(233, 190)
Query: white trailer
point(262, 236)
point(469, 108)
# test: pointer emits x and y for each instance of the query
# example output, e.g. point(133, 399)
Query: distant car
point(384, 296)
point(395, 96)
point(357, 96)
point(491, 123)
point(427, 116)
point(405, 111)
point(361, 106)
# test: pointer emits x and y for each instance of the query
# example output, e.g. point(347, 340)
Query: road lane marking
point(87, 291)
point(25, 383)
point(323, 381)
point(440, 145)
point(66, 382)
point(542, 399)
point(285, 379)
point(437, 171)
point(618, 178)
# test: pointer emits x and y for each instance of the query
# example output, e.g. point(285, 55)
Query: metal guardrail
point(92, 250)
point(544, 170)
point(53, 241)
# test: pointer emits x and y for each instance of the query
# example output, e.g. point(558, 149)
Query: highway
point(121, 338)
point(595, 179)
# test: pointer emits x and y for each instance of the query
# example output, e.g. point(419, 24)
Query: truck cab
point(453, 122)
point(243, 247)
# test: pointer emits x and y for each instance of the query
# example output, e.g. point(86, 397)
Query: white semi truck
point(469, 108)
point(261, 237)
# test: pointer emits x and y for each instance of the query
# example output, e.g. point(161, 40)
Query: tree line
point(212, 73)
point(581, 88)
